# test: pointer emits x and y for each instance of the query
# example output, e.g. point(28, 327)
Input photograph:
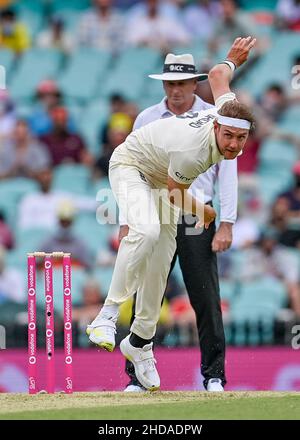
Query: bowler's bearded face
point(230, 140)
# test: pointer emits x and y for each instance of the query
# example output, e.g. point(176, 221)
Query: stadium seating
point(228, 290)
point(78, 5)
point(272, 186)
point(36, 65)
point(274, 66)
point(256, 306)
point(96, 236)
point(291, 114)
point(97, 185)
point(33, 19)
point(11, 192)
point(198, 49)
point(7, 61)
point(141, 59)
point(91, 123)
point(9, 309)
point(257, 5)
point(72, 178)
point(30, 240)
point(117, 83)
point(103, 275)
point(153, 93)
point(83, 77)
point(276, 152)
point(276, 159)
point(132, 68)
point(30, 5)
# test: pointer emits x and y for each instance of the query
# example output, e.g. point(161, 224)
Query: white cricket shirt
point(180, 146)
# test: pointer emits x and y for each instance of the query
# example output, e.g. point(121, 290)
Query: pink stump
point(32, 354)
point(67, 323)
point(49, 324)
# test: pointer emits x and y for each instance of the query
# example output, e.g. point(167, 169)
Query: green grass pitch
point(152, 406)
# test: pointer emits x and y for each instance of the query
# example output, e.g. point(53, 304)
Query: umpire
point(197, 251)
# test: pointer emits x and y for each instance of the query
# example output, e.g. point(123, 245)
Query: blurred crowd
point(39, 143)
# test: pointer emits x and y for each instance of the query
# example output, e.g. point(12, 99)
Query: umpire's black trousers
point(198, 264)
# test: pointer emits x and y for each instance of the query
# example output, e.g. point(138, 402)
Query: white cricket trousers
point(145, 255)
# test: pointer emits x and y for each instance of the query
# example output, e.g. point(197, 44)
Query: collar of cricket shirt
point(163, 109)
point(166, 112)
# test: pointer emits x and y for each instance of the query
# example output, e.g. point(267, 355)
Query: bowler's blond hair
point(235, 109)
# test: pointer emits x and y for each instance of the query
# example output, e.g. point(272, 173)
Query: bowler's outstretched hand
point(240, 50)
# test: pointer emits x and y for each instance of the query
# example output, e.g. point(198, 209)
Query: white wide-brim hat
point(179, 68)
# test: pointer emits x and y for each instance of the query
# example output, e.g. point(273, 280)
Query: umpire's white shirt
point(225, 171)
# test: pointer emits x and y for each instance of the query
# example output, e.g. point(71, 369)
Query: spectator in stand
point(6, 236)
point(200, 18)
point(268, 258)
point(39, 209)
point(12, 282)
point(102, 27)
point(92, 299)
point(279, 214)
point(288, 14)
point(55, 37)
point(22, 155)
point(13, 34)
point(117, 104)
point(5, 3)
point(132, 110)
point(48, 96)
point(293, 195)
point(183, 320)
point(64, 146)
point(233, 24)
point(106, 256)
point(285, 215)
point(270, 108)
point(119, 127)
point(7, 116)
point(65, 239)
point(155, 30)
point(245, 232)
point(248, 163)
point(167, 8)
point(273, 102)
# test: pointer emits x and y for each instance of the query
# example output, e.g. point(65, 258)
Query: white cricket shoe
point(102, 333)
point(143, 362)
point(215, 385)
point(134, 389)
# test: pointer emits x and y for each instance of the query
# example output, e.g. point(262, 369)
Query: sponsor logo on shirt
point(202, 121)
point(142, 177)
point(181, 177)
